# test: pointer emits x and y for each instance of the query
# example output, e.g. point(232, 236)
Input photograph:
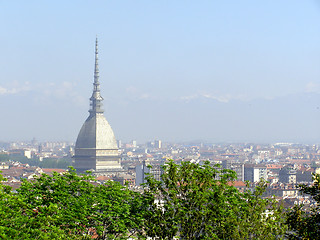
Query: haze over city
point(216, 71)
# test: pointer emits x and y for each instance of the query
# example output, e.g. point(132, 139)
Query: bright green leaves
point(67, 206)
point(191, 201)
point(303, 221)
point(198, 202)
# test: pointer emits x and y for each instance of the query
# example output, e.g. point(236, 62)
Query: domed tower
point(96, 146)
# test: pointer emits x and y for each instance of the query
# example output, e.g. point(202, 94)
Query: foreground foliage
point(191, 202)
point(305, 222)
point(67, 206)
point(198, 202)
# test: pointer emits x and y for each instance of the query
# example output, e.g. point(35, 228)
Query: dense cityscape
point(282, 165)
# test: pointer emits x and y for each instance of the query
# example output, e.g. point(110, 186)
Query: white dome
point(96, 133)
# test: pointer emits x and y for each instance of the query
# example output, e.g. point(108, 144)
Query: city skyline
point(176, 71)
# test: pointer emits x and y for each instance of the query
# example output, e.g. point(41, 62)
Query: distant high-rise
point(157, 144)
point(96, 146)
point(254, 172)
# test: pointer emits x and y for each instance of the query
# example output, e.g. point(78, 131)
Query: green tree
point(117, 212)
point(304, 221)
point(191, 202)
point(63, 162)
point(68, 206)
point(197, 202)
point(262, 218)
point(15, 221)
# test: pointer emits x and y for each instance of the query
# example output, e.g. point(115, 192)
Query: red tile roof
point(237, 184)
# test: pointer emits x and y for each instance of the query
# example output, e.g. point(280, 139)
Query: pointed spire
point(96, 65)
point(96, 99)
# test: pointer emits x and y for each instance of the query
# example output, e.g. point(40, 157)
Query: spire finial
point(96, 99)
point(96, 66)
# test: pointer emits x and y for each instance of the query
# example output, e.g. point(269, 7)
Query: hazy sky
point(172, 70)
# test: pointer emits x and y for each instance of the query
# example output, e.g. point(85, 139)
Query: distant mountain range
point(293, 118)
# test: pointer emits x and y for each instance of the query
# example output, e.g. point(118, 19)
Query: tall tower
point(96, 146)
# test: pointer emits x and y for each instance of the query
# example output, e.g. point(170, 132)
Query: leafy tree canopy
point(303, 221)
point(67, 206)
point(198, 202)
point(191, 201)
